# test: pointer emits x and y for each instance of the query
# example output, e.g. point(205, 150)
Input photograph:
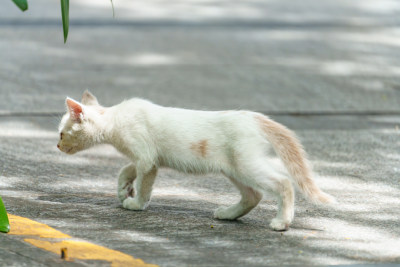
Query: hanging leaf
point(65, 17)
point(22, 4)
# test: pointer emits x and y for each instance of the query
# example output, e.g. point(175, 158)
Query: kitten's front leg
point(144, 186)
point(127, 175)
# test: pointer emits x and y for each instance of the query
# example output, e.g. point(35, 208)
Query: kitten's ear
point(89, 99)
point(75, 109)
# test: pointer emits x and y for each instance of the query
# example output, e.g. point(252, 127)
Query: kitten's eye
point(61, 135)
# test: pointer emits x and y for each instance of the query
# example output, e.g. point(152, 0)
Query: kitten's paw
point(223, 213)
point(279, 225)
point(133, 204)
point(126, 191)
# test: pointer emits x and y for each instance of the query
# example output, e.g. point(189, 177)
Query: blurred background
point(267, 55)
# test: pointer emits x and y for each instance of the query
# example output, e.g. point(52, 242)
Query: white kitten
point(230, 142)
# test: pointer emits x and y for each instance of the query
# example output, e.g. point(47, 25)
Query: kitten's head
point(80, 127)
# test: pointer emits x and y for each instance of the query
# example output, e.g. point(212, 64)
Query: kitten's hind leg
point(285, 193)
point(125, 182)
point(282, 187)
point(264, 178)
point(144, 185)
point(250, 199)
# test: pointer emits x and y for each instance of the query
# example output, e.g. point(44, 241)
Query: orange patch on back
point(200, 147)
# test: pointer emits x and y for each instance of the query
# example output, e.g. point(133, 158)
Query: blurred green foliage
point(65, 17)
point(22, 4)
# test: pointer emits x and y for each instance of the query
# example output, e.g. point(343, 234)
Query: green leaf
point(4, 222)
point(65, 17)
point(22, 4)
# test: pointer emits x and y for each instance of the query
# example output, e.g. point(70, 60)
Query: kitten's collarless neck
point(107, 129)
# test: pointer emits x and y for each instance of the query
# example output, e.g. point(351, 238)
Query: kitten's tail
point(289, 149)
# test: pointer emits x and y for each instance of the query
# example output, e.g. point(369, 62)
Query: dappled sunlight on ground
point(383, 6)
point(284, 57)
point(24, 130)
point(252, 10)
point(361, 227)
point(141, 59)
point(178, 9)
point(132, 236)
point(354, 237)
point(247, 61)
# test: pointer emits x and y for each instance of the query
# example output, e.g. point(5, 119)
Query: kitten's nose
point(58, 146)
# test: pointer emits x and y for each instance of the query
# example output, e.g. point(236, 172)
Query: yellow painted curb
point(25, 226)
point(52, 240)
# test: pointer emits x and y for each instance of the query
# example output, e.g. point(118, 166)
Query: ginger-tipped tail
point(291, 152)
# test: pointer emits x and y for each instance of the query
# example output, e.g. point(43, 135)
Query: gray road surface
point(327, 69)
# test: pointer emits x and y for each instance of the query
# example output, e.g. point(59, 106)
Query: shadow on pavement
point(77, 194)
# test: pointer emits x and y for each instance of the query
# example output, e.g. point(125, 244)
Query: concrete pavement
point(77, 195)
point(317, 56)
point(335, 59)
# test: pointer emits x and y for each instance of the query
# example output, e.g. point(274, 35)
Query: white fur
point(151, 136)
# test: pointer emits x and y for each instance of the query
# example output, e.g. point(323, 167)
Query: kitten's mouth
point(69, 150)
